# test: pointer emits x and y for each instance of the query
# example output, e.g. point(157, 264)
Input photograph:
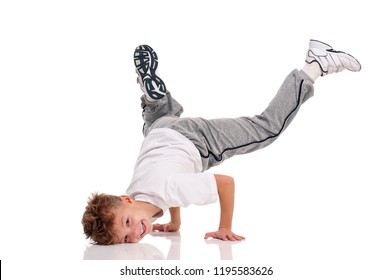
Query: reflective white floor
point(158, 246)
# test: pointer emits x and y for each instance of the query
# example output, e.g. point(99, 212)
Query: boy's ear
point(127, 198)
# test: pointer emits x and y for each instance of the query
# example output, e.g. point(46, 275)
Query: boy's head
point(98, 218)
point(110, 219)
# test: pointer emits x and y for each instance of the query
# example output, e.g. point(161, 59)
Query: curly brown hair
point(98, 218)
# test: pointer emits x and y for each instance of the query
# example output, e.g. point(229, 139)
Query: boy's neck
point(150, 209)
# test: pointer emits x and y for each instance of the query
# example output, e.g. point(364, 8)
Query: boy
point(169, 172)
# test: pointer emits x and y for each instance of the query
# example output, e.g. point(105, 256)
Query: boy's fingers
point(239, 237)
point(210, 234)
point(158, 227)
point(232, 238)
point(165, 227)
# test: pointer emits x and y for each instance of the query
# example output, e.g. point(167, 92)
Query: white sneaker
point(330, 60)
point(146, 62)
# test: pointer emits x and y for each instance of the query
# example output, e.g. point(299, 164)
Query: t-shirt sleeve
point(191, 188)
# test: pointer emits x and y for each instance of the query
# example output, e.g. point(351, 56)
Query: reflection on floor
point(152, 249)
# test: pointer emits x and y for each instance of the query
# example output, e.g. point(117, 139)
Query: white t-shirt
point(168, 172)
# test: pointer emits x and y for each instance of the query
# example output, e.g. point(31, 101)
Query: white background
point(314, 205)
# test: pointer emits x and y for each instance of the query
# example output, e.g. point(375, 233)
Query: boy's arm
point(175, 221)
point(225, 186)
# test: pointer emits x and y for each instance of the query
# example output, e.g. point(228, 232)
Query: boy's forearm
point(226, 187)
point(175, 215)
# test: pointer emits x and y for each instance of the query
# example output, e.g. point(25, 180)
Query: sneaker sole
point(146, 63)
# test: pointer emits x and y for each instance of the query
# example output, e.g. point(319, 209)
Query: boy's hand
point(175, 221)
point(169, 227)
point(224, 234)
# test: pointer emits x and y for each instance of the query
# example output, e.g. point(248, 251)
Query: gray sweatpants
point(220, 139)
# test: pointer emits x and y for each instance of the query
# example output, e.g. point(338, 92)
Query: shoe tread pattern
point(146, 63)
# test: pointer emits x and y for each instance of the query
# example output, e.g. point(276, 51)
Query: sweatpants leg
point(158, 110)
point(220, 139)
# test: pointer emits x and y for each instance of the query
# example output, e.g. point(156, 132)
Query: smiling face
point(131, 222)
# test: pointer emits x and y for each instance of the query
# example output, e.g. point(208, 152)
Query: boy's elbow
point(224, 180)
